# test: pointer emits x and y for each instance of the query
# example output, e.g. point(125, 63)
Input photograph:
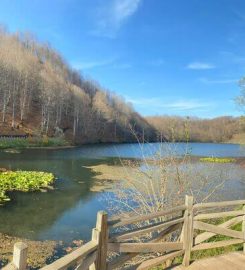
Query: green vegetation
point(217, 160)
point(23, 181)
point(197, 255)
point(20, 143)
point(218, 251)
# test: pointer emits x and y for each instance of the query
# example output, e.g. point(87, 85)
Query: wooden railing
point(188, 219)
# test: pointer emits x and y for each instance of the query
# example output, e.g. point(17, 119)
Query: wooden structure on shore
point(230, 261)
point(190, 219)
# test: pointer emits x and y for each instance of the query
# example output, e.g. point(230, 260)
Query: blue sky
point(170, 57)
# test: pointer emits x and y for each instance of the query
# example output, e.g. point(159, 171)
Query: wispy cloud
point(92, 64)
point(174, 105)
point(183, 105)
point(111, 17)
point(233, 57)
point(200, 66)
point(113, 63)
point(122, 66)
point(220, 81)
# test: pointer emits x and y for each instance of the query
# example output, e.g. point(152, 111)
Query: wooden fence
point(191, 220)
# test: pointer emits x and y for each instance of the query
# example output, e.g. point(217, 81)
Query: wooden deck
point(190, 221)
point(231, 261)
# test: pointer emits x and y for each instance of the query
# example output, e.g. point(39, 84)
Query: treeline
point(40, 91)
point(174, 128)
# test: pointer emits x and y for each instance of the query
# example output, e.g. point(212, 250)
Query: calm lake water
point(69, 212)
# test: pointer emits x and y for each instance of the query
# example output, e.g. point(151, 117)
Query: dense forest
point(220, 129)
point(41, 94)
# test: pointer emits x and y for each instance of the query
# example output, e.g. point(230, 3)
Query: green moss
point(217, 160)
point(23, 181)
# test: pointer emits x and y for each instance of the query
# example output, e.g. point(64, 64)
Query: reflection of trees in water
point(28, 214)
point(229, 175)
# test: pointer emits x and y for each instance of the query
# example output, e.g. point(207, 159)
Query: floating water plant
point(217, 160)
point(23, 181)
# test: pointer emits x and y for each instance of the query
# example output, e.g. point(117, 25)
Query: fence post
point(188, 230)
point(20, 255)
point(243, 229)
point(95, 237)
point(102, 227)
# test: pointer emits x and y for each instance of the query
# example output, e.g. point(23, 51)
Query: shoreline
point(108, 143)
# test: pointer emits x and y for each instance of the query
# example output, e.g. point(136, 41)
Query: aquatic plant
point(217, 160)
point(23, 181)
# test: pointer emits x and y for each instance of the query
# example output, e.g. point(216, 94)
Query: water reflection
point(69, 212)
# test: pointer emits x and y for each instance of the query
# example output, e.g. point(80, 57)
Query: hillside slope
point(193, 129)
point(41, 94)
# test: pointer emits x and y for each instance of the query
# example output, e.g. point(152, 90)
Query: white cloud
point(233, 57)
point(92, 64)
point(111, 17)
point(174, 106)
point(221, 81)
point(112, 63)
point(122, 66)
point(183, 105)
point(200, 65)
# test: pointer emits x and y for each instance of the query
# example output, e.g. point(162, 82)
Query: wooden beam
point(144, 230)
point(144, 247)
point(70, 259)
point(122, 222)
point(217, 230)
point(206, 235)
point(86, 263)
point(188, 230)
point(217, 244)
point(218, 204)
point(243, 228)
point(19, 257)
point(102, 227)
point(219, 215)
point(95, 238)
point(159, 260)
point(119, 261)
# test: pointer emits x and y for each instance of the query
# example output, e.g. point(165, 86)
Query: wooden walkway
point(190, 222)
point(231, 261)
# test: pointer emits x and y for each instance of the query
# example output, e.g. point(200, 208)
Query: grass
point(20, 143)
point(23, 181)
point(197, 255)
point(217, 160)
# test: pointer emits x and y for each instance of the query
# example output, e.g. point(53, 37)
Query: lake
point(69, 212)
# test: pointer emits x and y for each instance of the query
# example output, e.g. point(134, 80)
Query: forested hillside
point(41, 94)
point(220, 129)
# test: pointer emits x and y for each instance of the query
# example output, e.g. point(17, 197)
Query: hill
point(193, 129)
point(41, 94)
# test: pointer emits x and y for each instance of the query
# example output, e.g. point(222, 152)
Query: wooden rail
point(149, 234)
